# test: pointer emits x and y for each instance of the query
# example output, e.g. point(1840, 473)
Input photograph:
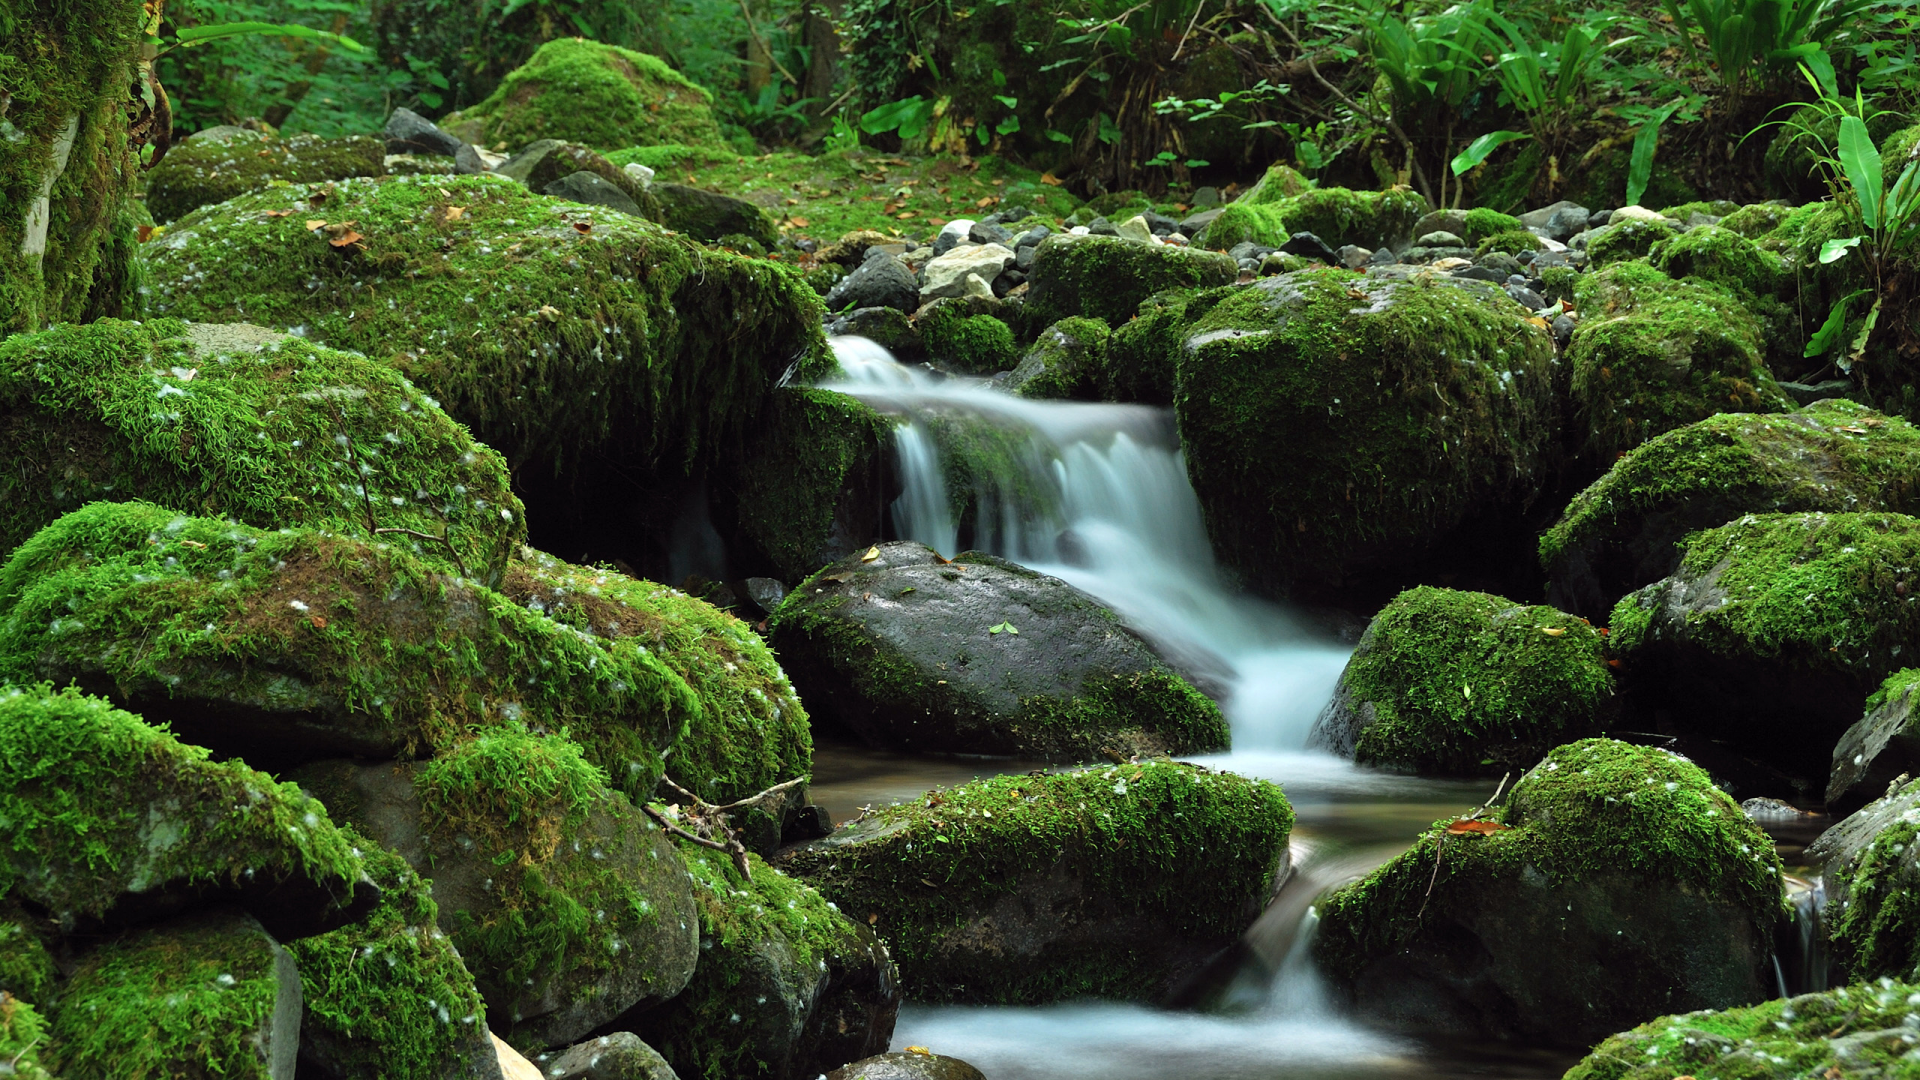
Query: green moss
point(1241, 221)
point(1483, 223)
point(1825, 1034)
point(1142, 353)
point(1557, 283)
point(669, 156)
point(750, 732)
point(269, 431)
point(1652, 354)
point(1107, 278)
point(389, 995)
point(353, 646)
point(193, 997)
point(99, 804)
point(1135, 838)
point(1875, 933)
point(1463, 683)
point(550, 343)
point(26, 968)
point(23, 1039)
point(1721, 257)
point(1068, 361)
point(1755, 221)
point(1371, 219)
point(208, 169)
point(597, 95)
point(815, 448)
point(1626, 240)
point(1406, 406)
point(974, 344)
point(1511, 242)
point(1280, 181)
point(1592, 808)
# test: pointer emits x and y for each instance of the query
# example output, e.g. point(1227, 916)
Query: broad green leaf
point(1640, 165)
point(1835, 249)
point(194, 35)
point(1858, 351)
point(1478, 150)
point(1861, 160)
point(1824, 339)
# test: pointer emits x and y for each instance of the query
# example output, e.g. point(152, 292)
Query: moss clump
point(974, 344)
point(1852, 1031)
point(293, 645)
point(1558, 283)
point(1068, 361)
point(1107, 278)
point(1870, 868)
point(1511, 243)
point(750, 732)
point(269, 430)
point(551, 342)
point(1280, 181)
point(1652, 354)
point(1624, 530)
point(601, 96)
point(1755, 221)
point(1143, 351)
point(23, 1039)
point(26, 968)
point(1242, 222)
point(1627, 240)
point(1467, 684)
point(1371, 219)
point(1407, 406)
point(1720, 256)
point(213, 168)
point(208, 995)
point(389, 996)
point(1483, 223)
point(818, 455)
point(99, 804)
point(1187, 852)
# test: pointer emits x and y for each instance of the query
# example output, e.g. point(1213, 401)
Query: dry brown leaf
point(278, 213)
point(986, 202)
point(318, 622)
point(583, 227)
point(1463, 826)
point(800, 223)
point(1050, 180)
point(315, 223)
point(455, 213)
point(345, 238)
point(144, 233)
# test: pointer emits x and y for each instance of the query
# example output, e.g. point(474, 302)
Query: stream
point(1097, 494)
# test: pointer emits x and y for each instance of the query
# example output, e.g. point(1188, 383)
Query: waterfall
point(1095, 494)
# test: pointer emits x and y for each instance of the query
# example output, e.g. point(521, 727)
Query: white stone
point(1637, 212)
point(977, 286)
point(947, 275)
point(639, 172)
point(958, 228)
point(1137, 230)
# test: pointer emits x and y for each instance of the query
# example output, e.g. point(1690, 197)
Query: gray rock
point(1883, 745)
point(407, 132)
point(1310, 246)
point(1696, 219)
point(879, 281)
point(989, 232)
point(1878, 936)
point(1440, 238)
point(906, 1065)
point(1032, 237)
point(1537, 219)
point(709, 215)
point(593, 190)
point(952, 234)
point(1599, 218)
point(1565, 222)
point(1500, 261)
point(1448, 221)
point(766, 592)
point(1383, 257)
point(470, 160)
point(1563, 328)
point(619, 1056)
point(1024, 256)
point(1353, 256)
point(888, 326)
point(1482, 273)
point(901, 650)
point(1159, 223)
point(947, 274)
point(1206, 196)
point(1526, 297)
point(1808, 393)
point(1100, 226)
point(1193, 223)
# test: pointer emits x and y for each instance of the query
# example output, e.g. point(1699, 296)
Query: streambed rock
point(1881, 747)
point(1106, 278)
point(1870, 868)
point(619, 1056)
point(1623, 885)
point(599, 95)
point(1773, 631)
point(1049, 887)
point(214, 166)
point(902, 648)
point(1623, 532)
point(569, 905)
point(1457, 683)
point(907, 1065)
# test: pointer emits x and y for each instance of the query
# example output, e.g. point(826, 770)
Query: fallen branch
point(712, 819)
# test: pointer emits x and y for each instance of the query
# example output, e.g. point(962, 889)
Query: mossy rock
point(601, 96)
point(1241, 221)
point(1755, 220)
point(389, 995)
point(212, 168)
point(900, 648)
point(788, 986)
point(1457, 683)
point(208, 994)
point(1512, 243)
point(23, 1040)
point(1626, 240)
point(546, 162)
point(552, 343)
point(569, 905)
point(1280, 181)
point(1371, 219)
point(1870, 870)
point(1143, 352)
point(1720, 256)
point(240, 422)
point(1482, 223)
point(750, 731)
point(971, 342)
point(1623, 884)
point(712, 216)
point(289, 646)
point(1115, 882)
point(814, 485)
point(1652, 354)
point(1878, 750)
point(1407, 407)
point(27, 970)
point(1624, 530)
point(1106, 278)
point(917, 1064)
point(1068, 361)
point(1773, 631)
point(111, 820)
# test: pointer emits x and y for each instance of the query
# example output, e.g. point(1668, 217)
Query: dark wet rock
point(407, 132)
point(1870, 870)
point(980, 655)
point(1526, 297)
point(881, 280)
point(907, 1065)
point(1051, 887)
point(1107, 279)
point(593, 190)
point(887, 327)
point(1563, 327)
point(619, 1056)
point(1466, 684)
point(515, 865)
point(1808, 393)
point(710, 215)
point(471, 161)
point(1883, 746)
point(986, 232)
point(1481, 273)
point(1624, 885)
point(1307, 245)
point(547, 161)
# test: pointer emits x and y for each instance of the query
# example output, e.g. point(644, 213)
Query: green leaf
point(1858, 351)
point(1833, 250)
point(909, 116)
point(1640, 165)
point(1059, 136)
point(1478, 150)
point(1005, 627)
point(1861, 160)
point(1008, 126)
point(1824, 339)
point(195, 35)
point(1009, 102)
point(1197, 163)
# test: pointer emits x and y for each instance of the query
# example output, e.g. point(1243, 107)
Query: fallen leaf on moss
point(279, 213)
point(801, 223)
point(345, 238)
point(1050, 180)
point(919, 1050)
point(145, 232)
point(986, 202)
point(583, 227)
point(872, 554)
point(315, 223)
point(1553, 631)
point(1462, 826)
point(318, 622)
point(455, 213)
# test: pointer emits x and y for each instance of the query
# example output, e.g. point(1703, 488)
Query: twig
point(732, 846)
point(1188, 31)
point(710, 818)
point(1440, 844)
point(760, 40)
point(1419, 173)
point(452, 551)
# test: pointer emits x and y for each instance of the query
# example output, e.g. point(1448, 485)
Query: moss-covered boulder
point(961, 338)
point(1067, 361)
point(556, 331)
point(1614, 884)
point(216, 165)
point(1466, 684)
point(601, 96)
point(1870, 870)
point(1243, 221)
point(239, 422)
point(979, 655)
point(569, 905)
point(546, 163)
point(1626, 240)
point(916, 1064)
point(788, 986)
point(1880, 748)
point(1144, 351)
point(1482, 223)
point(1114, 882)
point(1371, 219)
point(1624, 530)
point(1106, 278)
point(1721, 257)
point(111, 820)
point(1773, 631)
point(1512, 242)
point(1652, 354)
point(1850, 1031)
point(204, 995)
point(750, 731)
point(389, 995)
point(289, 646)
point(1335, 423)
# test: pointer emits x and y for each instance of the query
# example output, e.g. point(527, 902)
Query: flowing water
point(1097, 494)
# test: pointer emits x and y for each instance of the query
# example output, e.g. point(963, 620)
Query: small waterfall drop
point(1097, 495)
